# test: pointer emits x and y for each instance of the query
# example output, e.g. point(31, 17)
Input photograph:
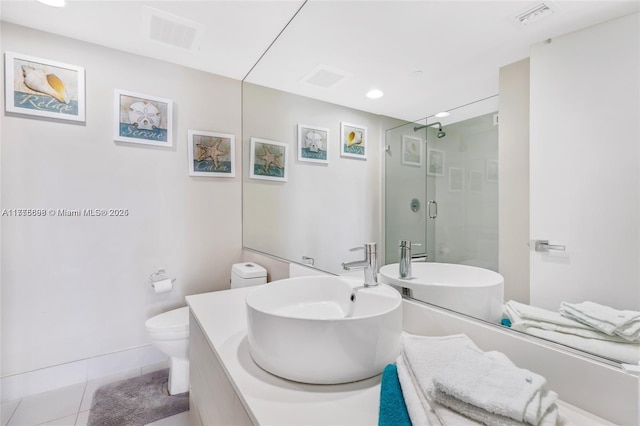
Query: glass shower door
point(441, 188)
point(405, 190)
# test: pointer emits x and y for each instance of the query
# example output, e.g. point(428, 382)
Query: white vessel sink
point(308, 330)
point(466, 289)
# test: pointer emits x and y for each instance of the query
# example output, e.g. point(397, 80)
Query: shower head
point(440, 134)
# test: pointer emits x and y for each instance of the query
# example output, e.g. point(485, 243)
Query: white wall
point(323, 210)
point(78, 287)
point(585, 168)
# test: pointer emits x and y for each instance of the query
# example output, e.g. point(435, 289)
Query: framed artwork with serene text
point(143, 119)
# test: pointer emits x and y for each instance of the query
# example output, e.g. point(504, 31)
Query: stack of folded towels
point(588, 326)
point(449, 380)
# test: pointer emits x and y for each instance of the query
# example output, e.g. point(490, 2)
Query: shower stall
point(441, 186)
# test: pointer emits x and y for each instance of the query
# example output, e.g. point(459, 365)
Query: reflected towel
point(622, 352)
point(524, 316)
point(488, 382)
point(393, 410)
point(625, 324)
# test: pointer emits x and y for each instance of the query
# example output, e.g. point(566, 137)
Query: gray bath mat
point(136, 402)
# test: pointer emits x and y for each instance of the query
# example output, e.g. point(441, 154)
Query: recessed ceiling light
point(54, 3)
point(442, 114)
point(375, 94)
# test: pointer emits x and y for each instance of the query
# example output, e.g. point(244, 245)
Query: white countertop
point(270, 400)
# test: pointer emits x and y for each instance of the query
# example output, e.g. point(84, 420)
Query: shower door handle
point(434, 204)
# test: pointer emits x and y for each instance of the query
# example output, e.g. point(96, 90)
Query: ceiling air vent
point(325, 77)
point(536, 13)
point(173, 30)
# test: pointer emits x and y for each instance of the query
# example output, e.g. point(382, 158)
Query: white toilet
point(169, 331)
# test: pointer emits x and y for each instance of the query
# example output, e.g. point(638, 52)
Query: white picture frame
point(456, 179)
point(142, 119)
point(44, 88)
point(268, 160)
point(211, 154)
point(353, 141)
point(412, 150)
point(435, 162)
point(313, 144)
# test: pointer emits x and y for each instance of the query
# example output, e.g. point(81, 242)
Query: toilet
point(169, 331)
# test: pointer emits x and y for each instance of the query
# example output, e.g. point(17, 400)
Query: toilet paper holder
point(160, 275)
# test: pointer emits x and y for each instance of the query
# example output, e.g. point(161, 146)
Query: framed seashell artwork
point(435, 162)
point(268, 160)
point(412, 150)
point(143, 119)
point(353, 141)
point(313, 144)
point(44, 88)
point(211, 154)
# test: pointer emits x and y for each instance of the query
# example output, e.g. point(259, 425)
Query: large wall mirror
point(550, 153)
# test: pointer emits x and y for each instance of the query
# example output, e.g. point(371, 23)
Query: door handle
point(544, 246)
point(432, 203)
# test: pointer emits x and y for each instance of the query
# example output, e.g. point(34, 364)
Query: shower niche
point(441, 186)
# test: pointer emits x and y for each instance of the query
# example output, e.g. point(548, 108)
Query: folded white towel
point(520, 312)
point(421, 358)
point(417, 406)
point(625, 324)
point(550, 418)
point(492, 382)
point(524, 316)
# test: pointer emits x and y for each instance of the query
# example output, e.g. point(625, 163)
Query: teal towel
point(393, 410)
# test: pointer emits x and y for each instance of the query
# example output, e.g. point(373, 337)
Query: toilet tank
point(247, 274)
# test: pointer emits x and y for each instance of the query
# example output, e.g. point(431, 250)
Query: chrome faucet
point(370, 264)
point(406, 258)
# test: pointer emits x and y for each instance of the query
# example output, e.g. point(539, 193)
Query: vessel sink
point(324, 329)
point(470, 290)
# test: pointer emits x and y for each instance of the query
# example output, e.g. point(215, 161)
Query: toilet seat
point(174, 323)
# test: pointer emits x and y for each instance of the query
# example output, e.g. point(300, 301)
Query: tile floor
point(70, 406)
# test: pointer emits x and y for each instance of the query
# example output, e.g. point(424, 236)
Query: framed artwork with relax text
point(143, 119)
point(268, 160)
point(353, 141)
point(411, 151)
point(44, 88)
point(313, 144)
point(211, 154)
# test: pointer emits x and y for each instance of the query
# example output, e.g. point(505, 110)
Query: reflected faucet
point(370, 264)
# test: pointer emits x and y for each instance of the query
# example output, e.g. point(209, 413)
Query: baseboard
point(46, 379)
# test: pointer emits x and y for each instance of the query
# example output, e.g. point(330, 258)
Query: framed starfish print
point(268, 160)
point(143, 119)
point(211, 154)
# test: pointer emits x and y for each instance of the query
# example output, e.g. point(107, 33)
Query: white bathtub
point(466, 289)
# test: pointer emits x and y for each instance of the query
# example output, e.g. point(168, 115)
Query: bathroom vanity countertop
point(269, 399)
point(272, 400)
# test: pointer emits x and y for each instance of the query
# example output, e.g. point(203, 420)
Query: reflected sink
point(307, 329)
point(470, 290)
